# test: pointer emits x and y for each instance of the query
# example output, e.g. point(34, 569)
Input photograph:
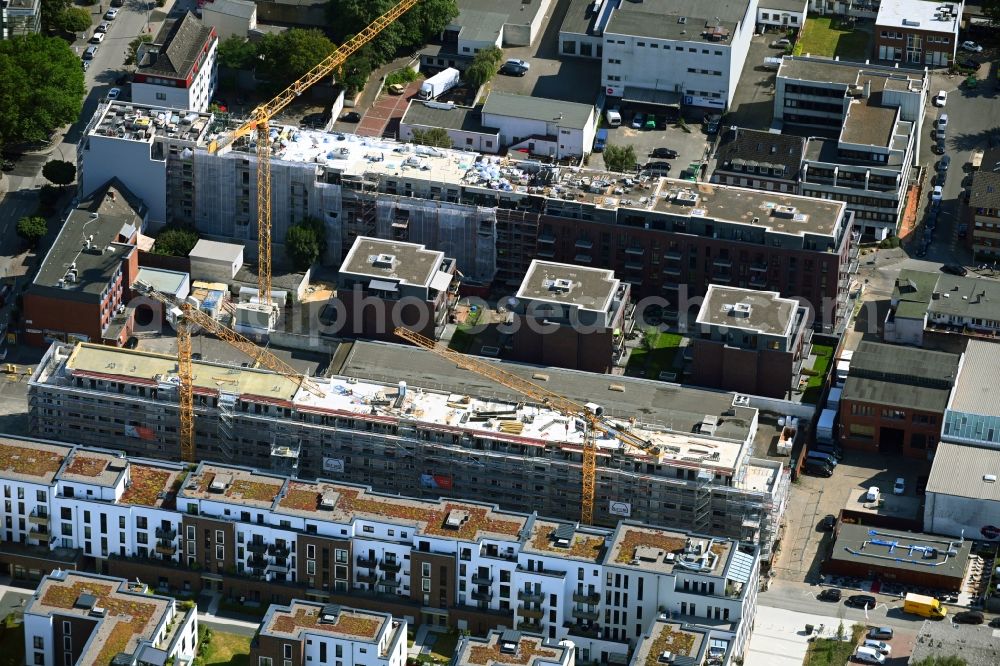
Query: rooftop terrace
point(652, 549)
point(672, 637)
point(565, 540)
point(31, 461)
point(94, 467)
point(141, 122)
point(301, 617)
point(509, 648)
point(238, 485)
point(408, 263)
point(128, 616)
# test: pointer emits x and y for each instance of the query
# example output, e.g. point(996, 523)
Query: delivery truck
point(924, 606)
point(826, 425)
point(440, 83)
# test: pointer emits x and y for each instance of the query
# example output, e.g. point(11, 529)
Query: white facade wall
point(101, 158)
point(780, 18)
point(904, 331)
point(572, 141)
point(704, 73)
point(39, 628)
point(460, 139)
point(960, 516)
point(195, 97)
point(33, 498)
point(228, 25)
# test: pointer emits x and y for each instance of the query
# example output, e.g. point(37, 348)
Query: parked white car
point(941, 98)
point(97, 38)
point(972, 47)
point(899, 487)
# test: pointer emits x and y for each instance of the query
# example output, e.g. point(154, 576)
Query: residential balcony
point(478, 579)
point(278, 551)
point(166, 547)
point(392, 566)
point(167, 533)
point(37, 517)
point(592, 598)
point(587, 630)
point(633, 265)
point(366, 562)
point(369, 578)
point(390, 582)
point(546, 238)
point(585, 244)
point(636, 251)
point(672, 270)
point(672, 254)
point(532, 627)
point(278, 566)
point(257, 561)
point(258, 547)
point(525, 595)
point(760, 267)
point(582, 614)
point(482, 594)
point(39, 532)
point(722, 262)
point(757, 280)
point(530, 612)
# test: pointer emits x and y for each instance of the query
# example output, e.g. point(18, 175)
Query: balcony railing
point(366, 562)
point(37, 517)
point(588, 630)
point(391, 582)
point(587, 597)
point(479, 579)
point(390, 565)
point(368, 578)
point(166, 547)
point(256, 561)
point(279, 566)
point(533, 627)
point(582, 614)
point(482, 594)
point(258, 547)
point(276, 550)
point(39, 532)
point(531, 612)
point(526, 595)
point(167, 533)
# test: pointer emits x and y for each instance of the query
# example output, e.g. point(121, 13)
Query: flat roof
point(564, 114)
point(129, 121)
point(976, 385)
point(162, 280)
point(31, 460)
point(480, 25)
point(304, 617)
point(111, 217)
point(578, 19)
point(900, 376)
point(510, 648)
point(464, 118)
point(240, 8)
point(566, 540)
point(985, 189)
point(405, 263)
point(784, 5)
point(746, 309)
point(976, 645)
point(845, 72)
point(130, 615)
point(869, 123)
point(779, 212)
point(959, 470)
point(662, 19)
point(878, 547)
point(230, 484)
point(912, 292)
point(582, 286)
point(216, 251)
point(967, 297)
point(674, 637)
point(94, 467)
point(923, 15)
point(652, 549)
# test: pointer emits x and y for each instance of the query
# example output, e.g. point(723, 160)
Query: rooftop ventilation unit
point(456, 518)
point(666, 657)
point(329, 614)
point(383, 260)
point(220, 482)
point(685, 197)
point(740, 400)
point(708, 425)
point(97, 611)
point(561, 284)
point(328, 501)
point(787, 212)
point(742, 310)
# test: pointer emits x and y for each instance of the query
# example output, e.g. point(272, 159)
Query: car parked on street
point(937, 194)
point(89, 53)
point(111, 14)
point(664, 153)
point(968, 617)
point(941, 98)
point(509, 69)
point(829, 594)
point(972, 47)
point(103, 27)
point(97, 38)
point(944, 163)
point(638, 119)
point(954, 269)
point(517, 62)
point(861, 601)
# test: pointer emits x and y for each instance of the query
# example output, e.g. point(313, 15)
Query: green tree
point(933, 660)
point(991, 10)
point(51, 9)
point(305, 242)
point(41, 87)
point(619, 158)
point(32, 229)
point(288, 55)
point(238, 53)
point(175, 241)
point(412, 30)
point(483, 66)
point(436, 136)
point(132, 50)
point(72, 19)
point(354, 73)
point(59, 172)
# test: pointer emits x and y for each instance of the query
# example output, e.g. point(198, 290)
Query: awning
point(441, 281)
point(655, 97)
point(383, 285)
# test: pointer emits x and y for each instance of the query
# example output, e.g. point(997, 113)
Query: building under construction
point(493, 215)
point(432, 430)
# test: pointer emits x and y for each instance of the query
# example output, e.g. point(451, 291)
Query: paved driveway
point(779, 637)
point(382, 119)
point(753, 103)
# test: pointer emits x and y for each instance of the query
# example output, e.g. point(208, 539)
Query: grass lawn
point(824, 36)
point(444, 647)
point(824, 355)
point(11, 644)
point(659, 358)
point(226, 648)
point(831, 652)
point(461, 339)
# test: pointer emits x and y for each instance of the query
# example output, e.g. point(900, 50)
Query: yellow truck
point(924, 606)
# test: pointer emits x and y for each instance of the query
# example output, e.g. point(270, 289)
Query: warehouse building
point(963, 494)
point(407, 421)
point(265, 538)
point(492, 215)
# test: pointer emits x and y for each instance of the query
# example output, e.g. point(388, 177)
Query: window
point(341, 555)
point(287, 650)
point(220, 536)
point(368, 529)
point(67, 629)
point(163, 96)
point(39, 643)
point(311, 551)
point(425, 569)
point(190, 532)
point(265, 661)
point(310, 567)
point(220, 552)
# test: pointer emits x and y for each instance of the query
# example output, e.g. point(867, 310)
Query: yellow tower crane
point(190, 316)
point(259, 123)
point(592, 415)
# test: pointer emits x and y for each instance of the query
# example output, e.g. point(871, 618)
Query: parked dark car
point(969, 63)
point(968, 617)
point(954, 269)
point(351, 117)
point(664, 153)
point(828, 523)
point(817, 468)
point(829, 594)
point(995, 622)
point(861, 601)
point(656, 166)
point(513, 69)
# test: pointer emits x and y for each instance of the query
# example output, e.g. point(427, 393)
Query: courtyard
point(831, 36)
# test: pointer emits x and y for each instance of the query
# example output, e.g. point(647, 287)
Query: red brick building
point(917, 32)
point(571, 317)
point(894, 399)
point(82, 287)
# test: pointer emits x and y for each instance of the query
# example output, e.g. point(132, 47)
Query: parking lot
point(692, 145)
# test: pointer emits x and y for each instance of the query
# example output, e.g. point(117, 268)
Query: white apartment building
point(266, 537)
point(329, 634)
point(81, 619)
point(178, 69)
point(670, 52)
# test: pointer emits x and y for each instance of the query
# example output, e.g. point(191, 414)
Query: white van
point(873, 494)
point(613, 116)
point(868, 655)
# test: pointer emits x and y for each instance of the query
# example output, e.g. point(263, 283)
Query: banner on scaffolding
point(436, 481)
point(334, 465)
point(623, 509)
point(140, 432)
